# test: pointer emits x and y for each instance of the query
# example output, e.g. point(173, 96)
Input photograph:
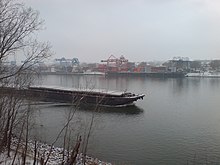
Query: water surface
point(178, 122)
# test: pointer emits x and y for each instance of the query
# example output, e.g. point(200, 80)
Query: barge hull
point(73, 97)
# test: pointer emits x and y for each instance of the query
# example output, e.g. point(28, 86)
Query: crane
point(117, 63)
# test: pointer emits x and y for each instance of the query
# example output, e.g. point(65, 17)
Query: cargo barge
point(76, 96)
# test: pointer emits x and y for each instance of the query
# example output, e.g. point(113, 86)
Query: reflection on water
point(177, 122)
point(128, 110)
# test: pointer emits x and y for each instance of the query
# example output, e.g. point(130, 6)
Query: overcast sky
point(141, 30)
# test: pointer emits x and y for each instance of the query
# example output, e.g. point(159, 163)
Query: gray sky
point(141, 30)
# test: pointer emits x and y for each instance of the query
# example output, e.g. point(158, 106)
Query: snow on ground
point(43, 151)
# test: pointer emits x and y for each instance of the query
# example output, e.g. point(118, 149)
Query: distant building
point(179, 64)
point(158, 69)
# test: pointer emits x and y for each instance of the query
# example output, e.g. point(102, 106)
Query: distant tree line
point(199, 65)
point(196, 65)
point(215, 64)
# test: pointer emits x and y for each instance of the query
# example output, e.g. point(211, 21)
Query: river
point(178, 121)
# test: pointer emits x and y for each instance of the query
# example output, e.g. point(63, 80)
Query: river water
point(178, 121)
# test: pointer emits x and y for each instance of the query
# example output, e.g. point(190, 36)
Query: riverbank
point(44, 151)
point(122, 74)
point(73, 73)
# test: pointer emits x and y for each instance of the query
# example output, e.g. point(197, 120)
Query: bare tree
point(18, 28)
